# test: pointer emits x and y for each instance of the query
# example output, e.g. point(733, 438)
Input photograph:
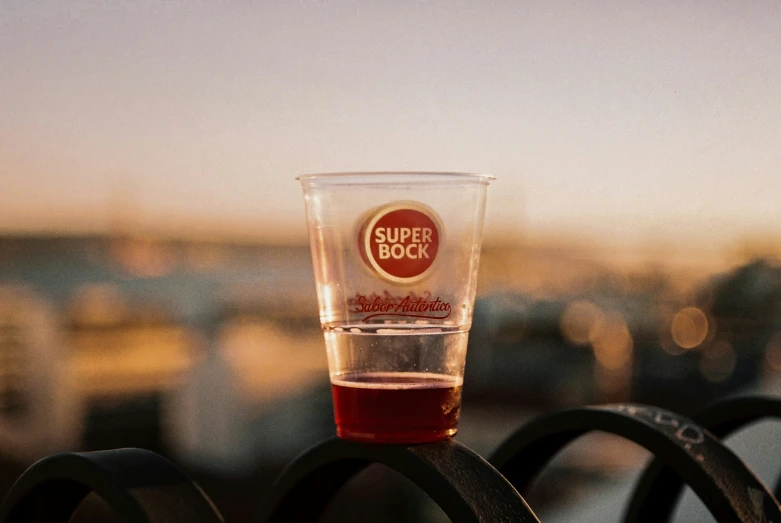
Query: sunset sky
point(629, 121)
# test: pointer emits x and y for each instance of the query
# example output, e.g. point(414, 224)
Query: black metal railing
point(142, 487)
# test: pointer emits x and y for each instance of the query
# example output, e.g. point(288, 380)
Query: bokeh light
point(613, 343)
point(718, 361)
point(581, 321)
point(144, 257)
point(689, 327)
point(773, 353)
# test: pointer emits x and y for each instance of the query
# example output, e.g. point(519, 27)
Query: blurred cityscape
point(210, 352)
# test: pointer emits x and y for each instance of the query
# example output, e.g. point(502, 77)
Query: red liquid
point(396, 407)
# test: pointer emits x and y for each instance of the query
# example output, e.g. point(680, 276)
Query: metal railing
point(142, 487)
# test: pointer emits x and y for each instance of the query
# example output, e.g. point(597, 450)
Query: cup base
point(397, 436)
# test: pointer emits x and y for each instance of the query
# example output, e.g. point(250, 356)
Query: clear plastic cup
point(395, 259)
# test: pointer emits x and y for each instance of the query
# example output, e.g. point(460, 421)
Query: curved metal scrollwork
point(139, 485)
point(731, 492)
point(462, 483)
point(658, 489)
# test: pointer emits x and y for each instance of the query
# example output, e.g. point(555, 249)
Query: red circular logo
point(400, 241)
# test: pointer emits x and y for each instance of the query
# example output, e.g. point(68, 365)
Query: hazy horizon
point(658, 253)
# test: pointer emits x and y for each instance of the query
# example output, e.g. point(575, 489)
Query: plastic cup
point(395, 259)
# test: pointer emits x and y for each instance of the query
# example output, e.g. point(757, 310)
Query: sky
point(629, 122)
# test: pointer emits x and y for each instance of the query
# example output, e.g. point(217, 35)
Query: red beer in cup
point(396, 407)
point(395, 258)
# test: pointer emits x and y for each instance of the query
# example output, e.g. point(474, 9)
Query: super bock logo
point(400, 241)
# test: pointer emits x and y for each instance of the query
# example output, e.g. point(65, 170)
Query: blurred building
point(37, 406)
point(94, 376)
point(211, 351)
point(206, 351)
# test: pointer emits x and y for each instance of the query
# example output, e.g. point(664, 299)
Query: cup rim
point(394, 178)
